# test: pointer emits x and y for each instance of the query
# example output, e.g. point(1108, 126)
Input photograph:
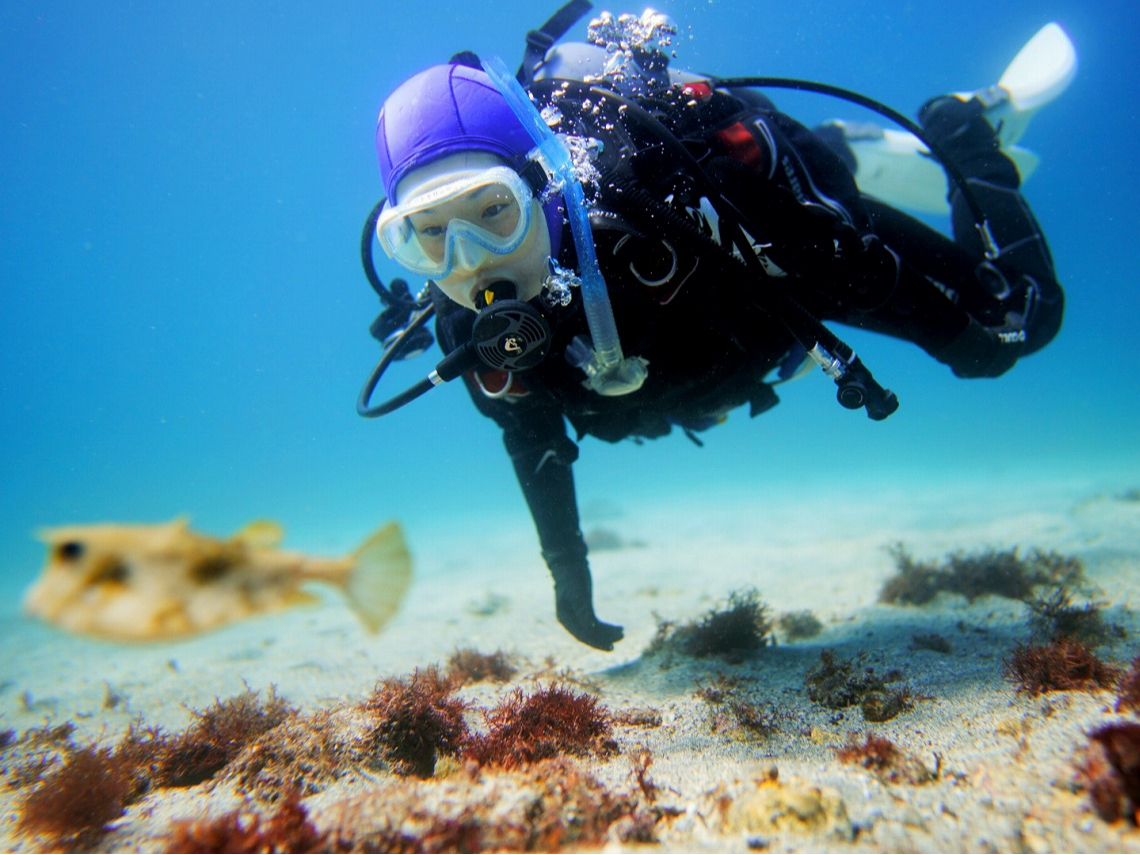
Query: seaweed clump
point(735, 714)
point(1054, 615)
point(36, 751)
point(218, 734)
point(470, 666)
point(1063, 665)
point(306, 752)
point(286, 830)
point(885, 760)
point(839, 683)
point(1110, 771)
point(76, 800)
point(1000, 572)
point(731, 633)
point(524, 729)
point(417, 719)
point(1128, 689)
point(797, 625)
point(550, 806)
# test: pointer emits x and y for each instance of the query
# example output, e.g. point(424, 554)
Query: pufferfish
point(164, 581)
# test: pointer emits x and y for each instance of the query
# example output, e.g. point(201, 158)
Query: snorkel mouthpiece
point(501, 289)
point(610, 372)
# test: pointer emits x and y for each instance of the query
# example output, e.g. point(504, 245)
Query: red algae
point(550, 722)
point(549, 806)
point(286, 830)
point(76, 801)
point(217, 736)
point(1062, 665)
point(470, 666)
point(1110, 771)
point(885, 760)
point(417, 719)
point(1128, 689)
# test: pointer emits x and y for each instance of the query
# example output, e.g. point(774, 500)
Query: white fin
point(1040, 72)
point(264, 534)
point(894, 166)
point(380, 579)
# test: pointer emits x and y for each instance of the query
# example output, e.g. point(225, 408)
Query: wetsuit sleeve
point(534, 433)
point(543, 455)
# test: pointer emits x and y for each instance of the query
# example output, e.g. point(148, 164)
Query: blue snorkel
point(608, 372)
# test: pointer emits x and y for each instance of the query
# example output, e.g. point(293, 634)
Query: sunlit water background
point(185, 320)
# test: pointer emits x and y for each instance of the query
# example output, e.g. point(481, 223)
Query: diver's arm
point(883, 292)
point(534, 434)
point(535, 437)
point(542, 455)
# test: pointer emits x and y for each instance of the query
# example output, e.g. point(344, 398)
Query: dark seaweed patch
point(731, 633)
point(550, 722)
point(1002, 573)
point(838, 683)
point(797, 625)
point(1110, 771)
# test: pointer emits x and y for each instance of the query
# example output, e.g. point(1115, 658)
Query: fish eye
point(70, 550)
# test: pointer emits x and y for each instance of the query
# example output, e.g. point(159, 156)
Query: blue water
point(185, 321)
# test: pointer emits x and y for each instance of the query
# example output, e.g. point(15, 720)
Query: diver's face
point(526, 267)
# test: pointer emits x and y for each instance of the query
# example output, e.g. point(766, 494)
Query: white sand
point(1006, 759)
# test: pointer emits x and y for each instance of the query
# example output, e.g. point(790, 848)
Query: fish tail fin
point(380, 576)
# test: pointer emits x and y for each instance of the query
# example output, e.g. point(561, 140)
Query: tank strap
point(539, 41)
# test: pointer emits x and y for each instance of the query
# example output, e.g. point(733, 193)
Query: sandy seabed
point(1005, 761)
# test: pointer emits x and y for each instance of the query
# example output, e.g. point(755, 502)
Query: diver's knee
point(981, 351)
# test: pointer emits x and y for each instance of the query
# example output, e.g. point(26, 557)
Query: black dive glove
point(574, 604)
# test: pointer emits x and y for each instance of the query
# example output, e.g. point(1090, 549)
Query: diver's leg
point(1018, 289)
point(890, 295)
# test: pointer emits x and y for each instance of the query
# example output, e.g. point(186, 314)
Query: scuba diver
point(630, 248)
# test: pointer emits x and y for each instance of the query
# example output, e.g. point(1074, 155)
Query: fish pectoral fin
point(380, 577)
point(263, 534)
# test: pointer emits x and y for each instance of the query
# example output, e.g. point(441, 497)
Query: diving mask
point(458, 223)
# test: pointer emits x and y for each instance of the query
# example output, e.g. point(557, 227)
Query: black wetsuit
point(688, 299)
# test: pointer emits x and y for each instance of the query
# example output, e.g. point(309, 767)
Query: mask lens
point(489, 211)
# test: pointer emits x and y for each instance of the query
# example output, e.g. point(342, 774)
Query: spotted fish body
point(156, 582)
